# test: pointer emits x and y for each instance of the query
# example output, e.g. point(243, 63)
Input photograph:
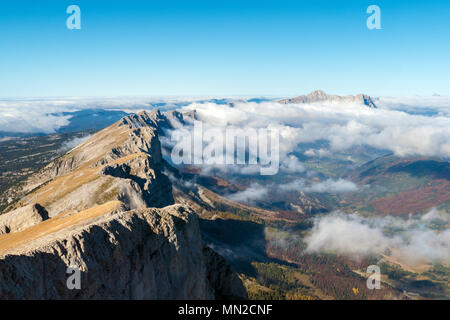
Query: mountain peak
point(318, 93)
point(322, 96)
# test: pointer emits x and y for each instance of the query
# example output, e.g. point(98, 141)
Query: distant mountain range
point(321, 96)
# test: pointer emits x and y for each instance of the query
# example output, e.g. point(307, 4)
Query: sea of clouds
point(45, 115)
point(343, 126)
point(408, 126)
point(395, 125)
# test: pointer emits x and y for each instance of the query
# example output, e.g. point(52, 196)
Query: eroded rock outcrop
point(22, 218)
point(140, 254)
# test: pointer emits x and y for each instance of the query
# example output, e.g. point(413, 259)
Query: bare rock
point(140, 254)
point(225, 282)
point(22, 218)
point(321, 96)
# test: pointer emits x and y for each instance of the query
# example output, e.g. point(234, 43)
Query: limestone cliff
point(107, 208)
point(140, 254)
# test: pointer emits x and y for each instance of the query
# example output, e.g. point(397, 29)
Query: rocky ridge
point(321, 96)
point(107, 208)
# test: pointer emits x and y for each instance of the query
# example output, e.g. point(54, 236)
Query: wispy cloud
point(329, 186)
point(69, 145)
point(253, 193)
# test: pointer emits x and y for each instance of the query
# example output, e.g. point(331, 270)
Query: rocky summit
point(321, 96)
point(106, 209)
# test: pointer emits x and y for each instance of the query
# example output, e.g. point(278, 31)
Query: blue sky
point(218, 48)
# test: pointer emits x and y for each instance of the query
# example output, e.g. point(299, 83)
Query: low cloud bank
point(431, 105)
point(69, 145)
point(253, 193)
point(327, 186)
point(410, 241)
point(256, 191)
point(333, 186)
point(30, 120)
point(42, 115)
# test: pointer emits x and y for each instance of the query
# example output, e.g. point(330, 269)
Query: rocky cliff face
point(122, 162)
point(107, 208)
point(138, 254)
point(321, 96)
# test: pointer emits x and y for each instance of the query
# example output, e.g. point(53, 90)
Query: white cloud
point(253, 193)
point(291, 164)
point(40, 115)
point(343, 126)
point(68, 145)
point(321, 153)
point(434, 215)
point(30, 120)
point(413, 242)
point(417, 104)
point(329, 186)
point(333, 186)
